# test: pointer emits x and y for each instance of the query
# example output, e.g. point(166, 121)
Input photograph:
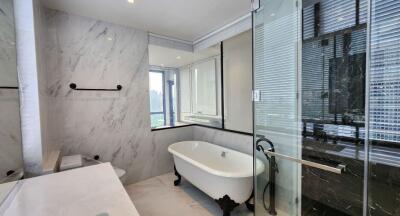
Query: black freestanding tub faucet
point(273, 169)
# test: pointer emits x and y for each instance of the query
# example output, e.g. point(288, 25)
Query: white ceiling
point(167, 57)
point(183, 19)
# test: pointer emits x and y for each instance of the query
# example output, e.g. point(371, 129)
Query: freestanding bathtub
point(224, 174)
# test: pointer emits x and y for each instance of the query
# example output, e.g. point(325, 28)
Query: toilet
point(77, 161)
point(121, 174)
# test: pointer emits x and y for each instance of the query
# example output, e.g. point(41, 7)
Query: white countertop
point(5, 189)
point(89, 191)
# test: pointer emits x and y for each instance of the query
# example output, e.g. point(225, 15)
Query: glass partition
point(346, 104)
point(310, 113)
point(276, 108)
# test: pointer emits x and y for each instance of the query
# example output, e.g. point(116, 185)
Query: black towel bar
point(8, 87)
point(75, 87)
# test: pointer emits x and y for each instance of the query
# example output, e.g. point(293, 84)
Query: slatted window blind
point(385, 70)
point(337, 15)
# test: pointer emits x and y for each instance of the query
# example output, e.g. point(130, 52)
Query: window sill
point(211, 127)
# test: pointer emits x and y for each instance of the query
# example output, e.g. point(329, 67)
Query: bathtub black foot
point(178, 181)
point(226, 204)
point(249, 205)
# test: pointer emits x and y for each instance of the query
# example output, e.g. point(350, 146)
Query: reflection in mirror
point(204, 78)
point(185, 86)
point(201, 82)
point(10, 132)
point(237, 52)
point(163, 85)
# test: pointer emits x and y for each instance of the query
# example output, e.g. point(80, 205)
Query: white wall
point(238, 82)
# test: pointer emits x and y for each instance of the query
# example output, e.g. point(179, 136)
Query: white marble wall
point(115, 125)
point(236, 141)
point(8, 60)
point(10, 131)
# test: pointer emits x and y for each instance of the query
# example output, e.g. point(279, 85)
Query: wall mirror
point(11, 163)
point(185, 86)
point(209, 87)
point(237, 76)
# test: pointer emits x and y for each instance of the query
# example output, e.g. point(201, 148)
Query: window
point(204, 88)
point(200, 92)
point(157, 99)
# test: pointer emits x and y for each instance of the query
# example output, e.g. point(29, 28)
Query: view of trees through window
point(157, 101)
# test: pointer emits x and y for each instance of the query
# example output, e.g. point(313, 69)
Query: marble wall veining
point(10, 131)
point(58, 49)
point(114, 125)
point(8, 60)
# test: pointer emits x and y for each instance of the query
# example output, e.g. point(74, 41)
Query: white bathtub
point(216, 170)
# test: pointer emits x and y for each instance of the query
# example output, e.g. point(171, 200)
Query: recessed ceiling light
point(178, 57)
point(131, 1)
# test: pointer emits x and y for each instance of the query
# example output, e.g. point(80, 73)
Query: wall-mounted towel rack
point(8, 87)
point(75, 87)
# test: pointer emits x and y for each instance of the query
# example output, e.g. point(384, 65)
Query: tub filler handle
point(338, 170)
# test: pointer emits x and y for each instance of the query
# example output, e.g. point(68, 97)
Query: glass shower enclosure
point(327, 107)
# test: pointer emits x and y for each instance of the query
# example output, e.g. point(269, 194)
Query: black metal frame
point(222, 87)
point(171, 103)
point(206, 126)
point(317, 19)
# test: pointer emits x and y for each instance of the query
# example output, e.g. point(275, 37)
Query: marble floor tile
point(159, 197)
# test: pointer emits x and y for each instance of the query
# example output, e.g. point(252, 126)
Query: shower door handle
point(338, 170)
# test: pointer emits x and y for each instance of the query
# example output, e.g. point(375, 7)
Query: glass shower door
point(276, 107)
point(309, 106)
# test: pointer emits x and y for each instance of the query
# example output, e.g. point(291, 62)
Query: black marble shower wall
point(333, 107)
point(335, 112)
point(333, 104)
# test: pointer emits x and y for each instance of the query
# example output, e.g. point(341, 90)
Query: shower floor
point(159, 197)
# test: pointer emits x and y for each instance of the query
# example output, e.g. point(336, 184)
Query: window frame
point(163, 97)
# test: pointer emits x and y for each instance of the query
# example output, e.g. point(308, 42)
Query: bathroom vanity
point(93, 190)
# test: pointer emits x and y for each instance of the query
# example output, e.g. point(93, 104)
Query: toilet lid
point(119, 172)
